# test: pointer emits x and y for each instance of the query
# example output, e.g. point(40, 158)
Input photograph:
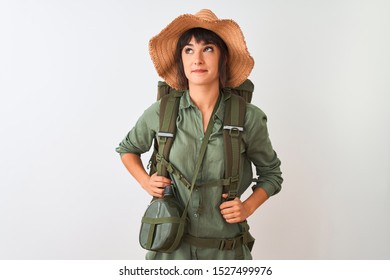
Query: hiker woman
point(204, 56)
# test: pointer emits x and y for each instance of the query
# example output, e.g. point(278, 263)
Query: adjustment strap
point(172, 170)
point(220, 243)
point(220, 182)
point(248, 239)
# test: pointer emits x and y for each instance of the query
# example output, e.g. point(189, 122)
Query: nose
point(198, 58)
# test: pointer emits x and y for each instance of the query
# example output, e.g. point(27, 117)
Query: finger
point(233, 211)
point(163, 179)
point(159, 185)
point(228, 204)
point(223, 206)
point(231, 218)
point(157, 192)
point(226, 210)
point(160, 179)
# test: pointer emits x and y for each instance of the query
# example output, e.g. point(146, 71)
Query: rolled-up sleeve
point(260, 151)
point(140, 137)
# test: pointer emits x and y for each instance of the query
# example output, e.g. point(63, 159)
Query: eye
point(208, 49)
point(188, 50)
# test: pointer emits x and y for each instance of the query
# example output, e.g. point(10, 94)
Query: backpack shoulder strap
point(234, 120)
point(163, 89)
point(169, 109)
point(245, 90)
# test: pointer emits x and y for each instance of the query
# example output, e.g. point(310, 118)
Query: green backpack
point(233, 125)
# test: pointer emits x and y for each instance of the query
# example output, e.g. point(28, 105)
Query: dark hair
point(208, 37)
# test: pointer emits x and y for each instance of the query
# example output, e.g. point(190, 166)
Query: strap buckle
point(164, 135)
point(234, 131)
point(227, 244)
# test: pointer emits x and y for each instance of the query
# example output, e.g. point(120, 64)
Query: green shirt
point(205, 219)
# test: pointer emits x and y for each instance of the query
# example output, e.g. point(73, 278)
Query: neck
point(204, 97)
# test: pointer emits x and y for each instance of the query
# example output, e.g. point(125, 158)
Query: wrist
point(257, 198)
point(248, 207)
point(144, 181)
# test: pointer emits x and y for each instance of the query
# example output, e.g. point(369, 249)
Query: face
point(200, 62)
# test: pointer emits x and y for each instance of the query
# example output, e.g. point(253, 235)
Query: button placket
point(195, 201)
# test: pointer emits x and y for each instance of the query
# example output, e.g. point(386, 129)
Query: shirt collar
point(185, 102)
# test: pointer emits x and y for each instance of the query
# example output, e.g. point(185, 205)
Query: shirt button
point(201, 138)
point(196, 215)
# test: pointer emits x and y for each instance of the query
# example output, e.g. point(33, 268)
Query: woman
point(203, 54)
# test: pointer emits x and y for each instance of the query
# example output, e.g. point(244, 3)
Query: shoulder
point(153, 110)
point(254, 114)
point(255, 130)
point(150, 116)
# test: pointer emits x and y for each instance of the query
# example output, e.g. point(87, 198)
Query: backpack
point(233, 125)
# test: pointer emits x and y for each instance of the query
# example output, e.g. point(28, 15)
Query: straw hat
point(162, 46)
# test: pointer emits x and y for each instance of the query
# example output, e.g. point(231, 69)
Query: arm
point(137, 142)
point(154, 185)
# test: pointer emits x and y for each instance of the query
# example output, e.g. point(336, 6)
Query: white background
point(76, 75)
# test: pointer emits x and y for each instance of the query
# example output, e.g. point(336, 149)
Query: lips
point(199, 71)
